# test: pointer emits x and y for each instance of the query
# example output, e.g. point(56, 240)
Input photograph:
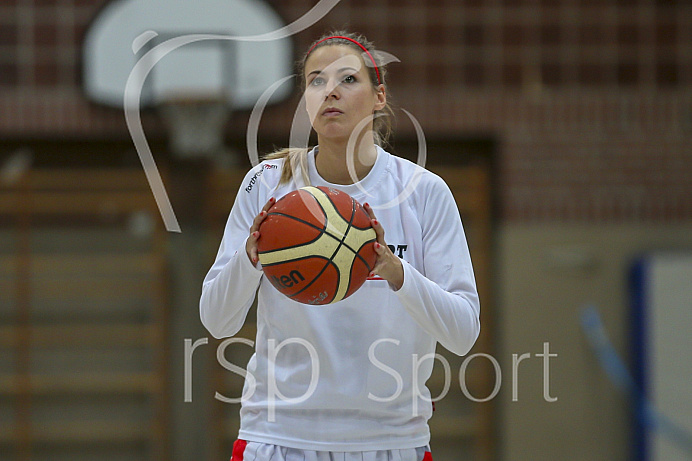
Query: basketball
point(316, 245)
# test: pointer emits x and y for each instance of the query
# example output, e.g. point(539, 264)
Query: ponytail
point(295, 160)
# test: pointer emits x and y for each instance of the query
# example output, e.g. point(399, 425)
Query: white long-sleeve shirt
point(349, 376)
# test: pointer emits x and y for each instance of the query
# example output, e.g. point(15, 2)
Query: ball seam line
point(324, 231)
point(336, 251)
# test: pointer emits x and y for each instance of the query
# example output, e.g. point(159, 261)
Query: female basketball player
point(346, 381)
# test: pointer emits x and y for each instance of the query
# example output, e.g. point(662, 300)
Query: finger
point(379, 230)
point(251, 246)
point(256, 223)
point(369, 210)
point(258, 220)
point(262, 214)
point(269, 204)
point(376, 269)
point(379, 248)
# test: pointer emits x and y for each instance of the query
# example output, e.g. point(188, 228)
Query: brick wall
point(591, 101)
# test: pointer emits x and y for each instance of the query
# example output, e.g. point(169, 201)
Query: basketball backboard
point(213, 66)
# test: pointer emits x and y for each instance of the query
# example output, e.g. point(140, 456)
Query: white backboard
point(207, 64)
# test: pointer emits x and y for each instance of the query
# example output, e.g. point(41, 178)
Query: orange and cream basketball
point(316, 245)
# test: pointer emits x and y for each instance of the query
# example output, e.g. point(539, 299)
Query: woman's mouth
point(331, 112)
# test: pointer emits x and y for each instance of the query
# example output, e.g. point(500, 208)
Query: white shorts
point(255, 451)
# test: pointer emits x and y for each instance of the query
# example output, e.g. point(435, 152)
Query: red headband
point(377, 71)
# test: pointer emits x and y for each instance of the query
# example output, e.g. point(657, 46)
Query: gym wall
point(590, 105)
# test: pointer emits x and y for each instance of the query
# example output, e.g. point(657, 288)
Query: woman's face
point(338, 92)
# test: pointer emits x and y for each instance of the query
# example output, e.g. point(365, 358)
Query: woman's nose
point(332, 90)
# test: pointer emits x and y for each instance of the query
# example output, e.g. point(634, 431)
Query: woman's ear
point(381, 96)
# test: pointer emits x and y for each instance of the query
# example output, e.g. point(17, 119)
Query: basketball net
point(196, 126)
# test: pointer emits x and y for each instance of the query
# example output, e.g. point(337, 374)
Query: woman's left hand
point(388, 265)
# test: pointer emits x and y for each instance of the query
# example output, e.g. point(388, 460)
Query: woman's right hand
point(251, 243)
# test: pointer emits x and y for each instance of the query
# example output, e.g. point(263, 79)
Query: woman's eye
point(349, 79)
point(317, 81)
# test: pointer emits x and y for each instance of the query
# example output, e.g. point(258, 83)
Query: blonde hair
point(296, 158)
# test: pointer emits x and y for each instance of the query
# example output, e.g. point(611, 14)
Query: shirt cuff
point(406, 286)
